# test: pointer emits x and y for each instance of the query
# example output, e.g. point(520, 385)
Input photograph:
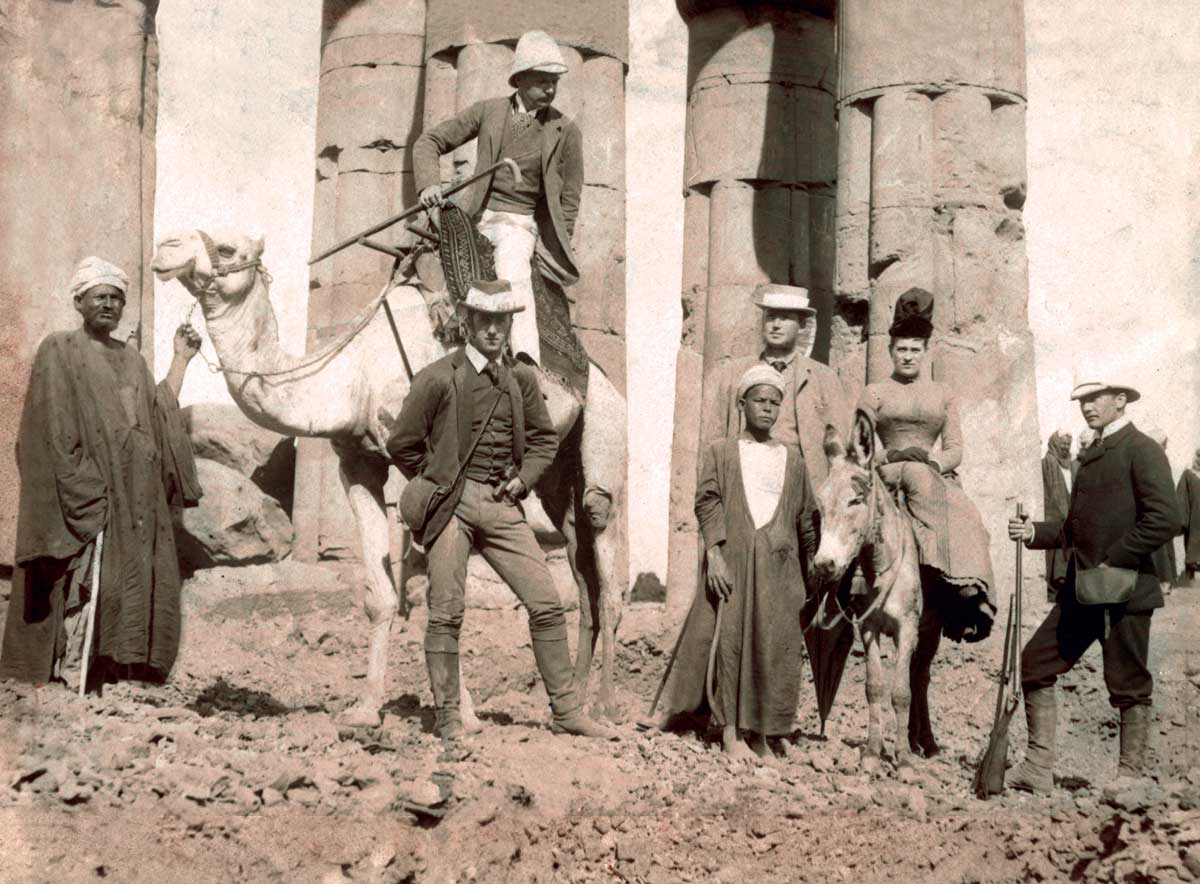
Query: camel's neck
point(271, 386)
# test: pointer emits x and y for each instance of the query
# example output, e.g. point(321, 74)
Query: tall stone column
point(759, 179)
point(469, 54)
point(368, 114)
point(78, 101)
point(931, 183)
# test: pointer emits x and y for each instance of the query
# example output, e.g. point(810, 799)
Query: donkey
point(862, 523)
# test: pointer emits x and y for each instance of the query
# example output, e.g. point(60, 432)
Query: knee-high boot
point(1135, 733)
point(553, 658)
point(1036, 772)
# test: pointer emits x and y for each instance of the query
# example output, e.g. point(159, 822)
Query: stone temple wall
point(931, 184)
point(368, 114)
point(389, 68)
point(918, 122)
point(78, 99)
point(759, 182)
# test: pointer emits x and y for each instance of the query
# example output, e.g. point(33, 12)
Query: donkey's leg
point(363, 481)
point(929, 636)
point(906, 641)
point(875, 691)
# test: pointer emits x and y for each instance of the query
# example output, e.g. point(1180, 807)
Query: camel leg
point(363, 482)
point(610, 605)
point(875, 692)
point(586, 645)
point(906, 641)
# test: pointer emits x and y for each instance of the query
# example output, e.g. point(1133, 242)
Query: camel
point(350, 391)
point(862, 523)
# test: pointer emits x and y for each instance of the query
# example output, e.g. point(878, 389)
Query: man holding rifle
point(526, 214)
point(1122, 509)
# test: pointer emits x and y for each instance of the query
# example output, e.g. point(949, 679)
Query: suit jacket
point(1056, 500)
point(820, 399)
point(433, 432)
point(1123, 508)
point(562, 174)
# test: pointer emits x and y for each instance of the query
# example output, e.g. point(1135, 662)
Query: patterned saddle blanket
point(466, 254)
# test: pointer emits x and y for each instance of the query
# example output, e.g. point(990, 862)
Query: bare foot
point(735, 747)
point(761, 748)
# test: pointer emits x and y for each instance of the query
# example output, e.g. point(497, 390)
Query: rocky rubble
point(237, 771)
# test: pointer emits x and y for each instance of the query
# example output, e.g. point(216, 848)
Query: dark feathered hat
point(913, 317)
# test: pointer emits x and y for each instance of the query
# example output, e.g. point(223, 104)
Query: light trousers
point(514, 237)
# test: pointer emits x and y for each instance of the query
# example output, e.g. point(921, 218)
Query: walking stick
point(90, 613)
point(408, 213)
point(989, 771)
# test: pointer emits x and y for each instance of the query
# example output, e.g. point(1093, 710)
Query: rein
point(873, 537)
point(221, 270)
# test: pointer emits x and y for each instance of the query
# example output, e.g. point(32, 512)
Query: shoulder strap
point(462, 468)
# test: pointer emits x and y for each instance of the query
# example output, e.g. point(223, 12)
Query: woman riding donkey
point(912, 414)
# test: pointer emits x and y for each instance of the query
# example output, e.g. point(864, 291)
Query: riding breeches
point(514, 238)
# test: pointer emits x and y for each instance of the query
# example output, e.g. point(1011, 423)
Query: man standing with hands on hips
point(473, 438)
point(1122, 509)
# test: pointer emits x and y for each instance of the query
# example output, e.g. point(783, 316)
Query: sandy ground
point(234, 770)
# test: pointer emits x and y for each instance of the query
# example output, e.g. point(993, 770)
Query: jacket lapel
point(462, 396)
point(551, 136)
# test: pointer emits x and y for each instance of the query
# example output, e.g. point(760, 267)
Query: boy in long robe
point(756, 511)
point(100, 447)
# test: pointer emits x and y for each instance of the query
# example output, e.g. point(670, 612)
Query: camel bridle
point(219, 268)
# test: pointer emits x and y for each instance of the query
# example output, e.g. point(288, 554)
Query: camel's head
point(218, 269)
point(846, 498)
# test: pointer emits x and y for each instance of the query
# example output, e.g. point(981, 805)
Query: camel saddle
point(465, 255)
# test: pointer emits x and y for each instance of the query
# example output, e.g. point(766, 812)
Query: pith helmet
point(536, 51)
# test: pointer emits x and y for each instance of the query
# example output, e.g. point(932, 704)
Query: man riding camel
point(521, 216)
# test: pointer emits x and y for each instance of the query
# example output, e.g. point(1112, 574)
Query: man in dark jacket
point(533, 213)
point(1122, 509)
point(475, 424)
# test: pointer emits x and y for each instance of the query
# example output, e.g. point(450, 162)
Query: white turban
point(96, 271)
point(759, 373)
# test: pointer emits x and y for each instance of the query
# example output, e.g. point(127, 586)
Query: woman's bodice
point(915, 415)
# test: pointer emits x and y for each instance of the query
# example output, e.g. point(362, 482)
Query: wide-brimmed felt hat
point(776, 296)
point(913, 315)
point(491, 296)
point(536, 51)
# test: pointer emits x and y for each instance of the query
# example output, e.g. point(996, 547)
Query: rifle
point(989, 770)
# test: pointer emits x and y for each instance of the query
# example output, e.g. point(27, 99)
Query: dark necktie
point(778, 364)
point(492, 372)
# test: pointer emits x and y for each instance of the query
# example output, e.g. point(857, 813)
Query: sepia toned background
point(1112, 228)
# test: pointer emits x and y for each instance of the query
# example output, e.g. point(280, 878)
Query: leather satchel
point(422, 496)
point(1104, 586)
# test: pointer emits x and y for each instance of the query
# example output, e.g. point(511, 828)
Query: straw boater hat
point(913, 316)
point(774, 296)
point(1088, 383)
point(536, 51)
point(491, 296)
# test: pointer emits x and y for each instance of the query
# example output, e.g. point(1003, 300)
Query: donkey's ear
point(833, 443)
point(862, 439)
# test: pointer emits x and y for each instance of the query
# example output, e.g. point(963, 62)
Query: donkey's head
point(847, 505)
